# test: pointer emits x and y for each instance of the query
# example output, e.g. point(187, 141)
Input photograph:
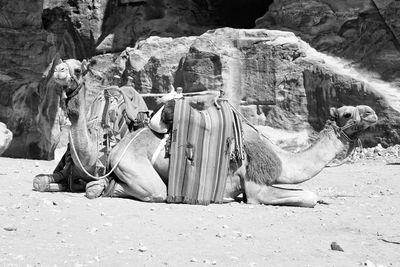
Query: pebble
point(108, 224)
point(335, 246)
point(220, 216)
point(93, 230)
point(249, 236)
point(220, 235)
point(143, 249)
point(36, 163)
point(10, 228)
point(193, 260)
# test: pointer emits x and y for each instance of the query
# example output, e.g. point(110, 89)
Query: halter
point(76, 80)
point(340, 130)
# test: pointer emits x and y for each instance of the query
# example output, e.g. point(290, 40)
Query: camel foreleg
point(272, 195)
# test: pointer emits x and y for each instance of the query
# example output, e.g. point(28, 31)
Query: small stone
point(152, 208)
point(220, 235)
point(225, 226)
point(249, 236)
point(107, 224)
point(368, 263)
point(193, 260)
point(335, 246)
point(10, 228)
point(214, 262)
point(238, 233)
point(36, 163)
point(102, 214)
point(120, 251)
point(143, 249)
point(92, 230)
point(220, 216)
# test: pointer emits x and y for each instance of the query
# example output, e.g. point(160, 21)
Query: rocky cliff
point(365, 32)
point(276, 83)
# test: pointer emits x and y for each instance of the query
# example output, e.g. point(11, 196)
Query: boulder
point(274, 78)
point(5, 137)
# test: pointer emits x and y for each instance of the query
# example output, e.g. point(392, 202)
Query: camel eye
point(347, 115)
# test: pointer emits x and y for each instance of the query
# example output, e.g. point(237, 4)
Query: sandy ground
point(66, 229)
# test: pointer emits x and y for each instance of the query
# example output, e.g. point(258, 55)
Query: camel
point(81, 160)
point(142, 169)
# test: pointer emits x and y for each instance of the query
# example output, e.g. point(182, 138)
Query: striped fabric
point(202, 141)
point(106, 118)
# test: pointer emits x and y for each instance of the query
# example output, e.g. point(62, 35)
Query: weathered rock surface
point(365, 32)
point(33, 32)
point(276, 79)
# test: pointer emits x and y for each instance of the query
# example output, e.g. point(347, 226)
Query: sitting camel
point(142, 169)
point(80, 163)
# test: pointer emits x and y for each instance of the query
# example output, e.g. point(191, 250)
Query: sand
point(66, 229)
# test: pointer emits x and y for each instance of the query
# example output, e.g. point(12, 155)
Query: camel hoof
point(95, 189)
point(42, 182)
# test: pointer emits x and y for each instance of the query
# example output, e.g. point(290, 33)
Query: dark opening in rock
point(243, 13)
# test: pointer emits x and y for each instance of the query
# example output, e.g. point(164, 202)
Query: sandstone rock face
point(274, 83)
point(32, 32)
point(365, 32)
point(5, 138)
point(275, 78)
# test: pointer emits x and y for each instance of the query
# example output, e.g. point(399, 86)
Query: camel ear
point(84, 68)
point(334, 113)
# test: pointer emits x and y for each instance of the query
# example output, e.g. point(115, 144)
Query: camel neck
point(79, 133)
point(299, 167)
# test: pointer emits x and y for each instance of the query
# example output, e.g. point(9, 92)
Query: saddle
point(202, 144)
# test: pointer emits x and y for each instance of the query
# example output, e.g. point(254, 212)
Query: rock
point(335, 246)
point(143, 249)
point(5, 137)
point(366, 32)
point(10, 228)
point(277, 79)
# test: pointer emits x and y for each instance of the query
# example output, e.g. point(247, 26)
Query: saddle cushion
point(201, 146)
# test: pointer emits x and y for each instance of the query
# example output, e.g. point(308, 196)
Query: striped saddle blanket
point(106, 117)
point(202, 142)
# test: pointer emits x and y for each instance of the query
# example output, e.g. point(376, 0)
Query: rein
point(113, 168)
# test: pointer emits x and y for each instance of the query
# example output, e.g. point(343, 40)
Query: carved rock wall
point(272, 76)
point(365, 32)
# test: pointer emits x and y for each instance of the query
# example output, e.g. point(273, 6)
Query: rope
point(249, 123)
point(352, 150)
point(113, 168)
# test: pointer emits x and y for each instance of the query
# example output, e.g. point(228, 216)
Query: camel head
point(353, 120)
point(69, 75)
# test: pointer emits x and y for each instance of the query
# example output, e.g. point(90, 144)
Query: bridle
point(340, 131)
point(79, 82)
